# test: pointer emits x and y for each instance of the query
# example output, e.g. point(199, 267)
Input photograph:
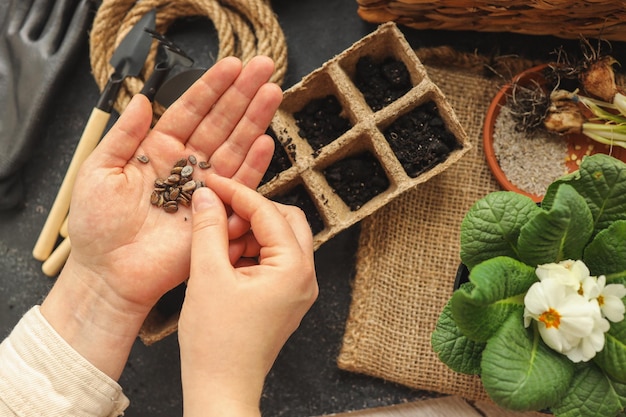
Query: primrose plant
point(541, 319)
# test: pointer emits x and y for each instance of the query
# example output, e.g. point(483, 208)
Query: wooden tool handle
point(91, 136)
point(52, 266)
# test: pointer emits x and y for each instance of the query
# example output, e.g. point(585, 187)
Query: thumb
point(209, 241)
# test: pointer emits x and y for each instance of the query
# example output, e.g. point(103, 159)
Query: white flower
point(571, 308)
point(610, 299)
point(589, 288)
point(564, 317)
point(569, 272)
point(588, 346)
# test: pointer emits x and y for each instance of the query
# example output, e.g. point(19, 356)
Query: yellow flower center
point(550, 318)
point(600, 300)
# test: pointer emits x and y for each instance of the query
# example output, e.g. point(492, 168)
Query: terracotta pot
point(578, 145)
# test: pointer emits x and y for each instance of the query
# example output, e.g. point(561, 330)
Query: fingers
point(120, 144)
point(250, 172)
point(230, 108)
point(68, 25)
point(182, 118)
point(243, 243)
point(224, 112)
point(298, 221)
point(253, 122)
point(244, 249)
point(36, 18)
point(16, 15)
point(271, 229)
point(209, 242)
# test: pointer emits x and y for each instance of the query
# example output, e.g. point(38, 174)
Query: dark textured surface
point(305, 380)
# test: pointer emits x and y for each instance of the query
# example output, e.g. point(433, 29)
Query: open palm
point(142, 251)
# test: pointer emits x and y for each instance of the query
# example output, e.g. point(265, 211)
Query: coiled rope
point(245, 28)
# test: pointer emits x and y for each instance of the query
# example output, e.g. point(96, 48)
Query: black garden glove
point(39, 41)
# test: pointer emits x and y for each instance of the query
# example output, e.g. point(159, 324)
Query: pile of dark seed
point(178, 187)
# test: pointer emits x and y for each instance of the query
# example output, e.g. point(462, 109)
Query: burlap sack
point(408, 255)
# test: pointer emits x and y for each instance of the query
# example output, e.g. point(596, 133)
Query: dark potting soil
point(381, 83)
point(299, 197)
point(280, 161)
point(320, 121)
point(420, 139)
point(357, 179)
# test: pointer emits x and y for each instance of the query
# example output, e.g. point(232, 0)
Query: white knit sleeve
point(41, 375)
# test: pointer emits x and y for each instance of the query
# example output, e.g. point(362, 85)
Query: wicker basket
point(567, 19)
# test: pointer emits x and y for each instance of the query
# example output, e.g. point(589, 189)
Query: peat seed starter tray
point(366, 134)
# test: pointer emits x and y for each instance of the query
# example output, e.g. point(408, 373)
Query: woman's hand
point(238, 313)
point(126, 253)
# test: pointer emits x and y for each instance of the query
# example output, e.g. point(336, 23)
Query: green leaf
point(612, 359)
point(559, 233)
point(520, 372)
point(454, 349)
point(500, 285)
point(548, 198)
point(491, 227)
point(606, 254)
point(591, 394)
point(601, 180)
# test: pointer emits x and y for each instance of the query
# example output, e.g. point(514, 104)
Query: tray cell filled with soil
point(382, 70)
point(317, 113)
point(357, 179)
point(321, 121)
point(353, 181)
point(420, 139)
point(381, 82)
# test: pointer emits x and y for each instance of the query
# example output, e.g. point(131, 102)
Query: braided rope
point(245, 28)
